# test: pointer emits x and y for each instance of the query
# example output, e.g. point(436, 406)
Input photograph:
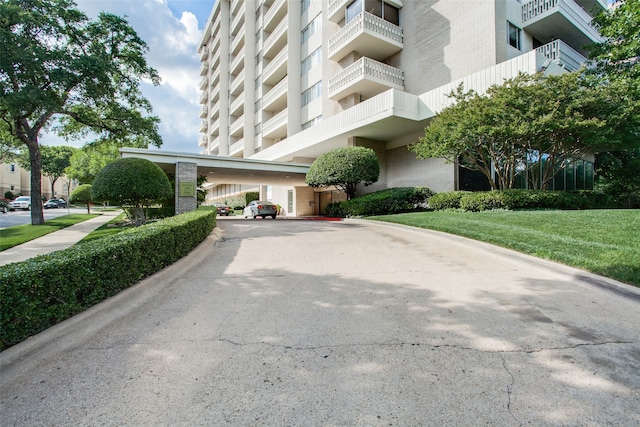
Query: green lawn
point(107, 229)
point(13, 236)
point(605, 242)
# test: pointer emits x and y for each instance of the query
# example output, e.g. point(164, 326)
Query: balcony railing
point(204, 83)
point(203, 112)
point(204, 67)
point(203, 126)
point(276, 98)
point(276, 126)
point(276, 69)
point(563, 54)
point(369, 35)
point(535, 10)
point(370, 76)
point(203, 97)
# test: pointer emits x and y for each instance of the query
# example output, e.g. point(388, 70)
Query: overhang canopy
point(227, 170)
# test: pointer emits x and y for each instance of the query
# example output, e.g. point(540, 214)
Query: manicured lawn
point(107, 229)
point(605, 242)
point(13, 236)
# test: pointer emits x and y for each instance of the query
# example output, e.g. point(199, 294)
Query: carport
point(219, 170)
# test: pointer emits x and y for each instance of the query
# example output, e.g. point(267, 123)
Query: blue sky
point(172, 29)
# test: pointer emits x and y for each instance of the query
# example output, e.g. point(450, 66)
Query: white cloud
point(172, 43)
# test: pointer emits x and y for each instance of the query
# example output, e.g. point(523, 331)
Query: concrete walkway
point(57, 240)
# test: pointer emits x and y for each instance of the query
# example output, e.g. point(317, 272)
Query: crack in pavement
point(509, 389)
point(538, 350)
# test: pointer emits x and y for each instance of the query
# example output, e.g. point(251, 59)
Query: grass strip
point(605, 242)
point(108, 229)
point(16, 235)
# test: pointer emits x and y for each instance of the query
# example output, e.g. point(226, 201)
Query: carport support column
point(186, 181)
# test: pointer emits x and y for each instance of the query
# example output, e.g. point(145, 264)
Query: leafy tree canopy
point(82, 194)
point(514, 125)
point(344, 168)
point(54, 161)
point(132, 182)
point(59, 68)
point(618, 56)
point(91, 159)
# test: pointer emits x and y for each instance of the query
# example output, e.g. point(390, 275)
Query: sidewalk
point(57, 240)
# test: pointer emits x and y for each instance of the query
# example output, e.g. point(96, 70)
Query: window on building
point(311, 61)
point(312, 93)
point(290, 201)
point(313, 27)
point(514, 35)
point(312, 122)
point(13, 167)
point(379, 8)
point(305, 6)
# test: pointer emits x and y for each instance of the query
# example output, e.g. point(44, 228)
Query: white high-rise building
point(287, 80)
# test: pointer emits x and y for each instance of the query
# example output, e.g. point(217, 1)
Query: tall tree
point(56, 64)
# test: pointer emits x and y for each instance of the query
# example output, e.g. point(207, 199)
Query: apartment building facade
point(287, 80)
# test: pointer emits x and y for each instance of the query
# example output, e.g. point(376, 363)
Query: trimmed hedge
point(393, 200)
point(38, 293)
point(520, 199)
point(239, 201)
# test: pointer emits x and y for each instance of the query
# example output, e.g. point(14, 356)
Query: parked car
point(260, 208)
point(4, 205)
point(55, 204)
point(21, 202)
point(222, 209)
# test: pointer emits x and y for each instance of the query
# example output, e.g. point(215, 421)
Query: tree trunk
point(37, 214)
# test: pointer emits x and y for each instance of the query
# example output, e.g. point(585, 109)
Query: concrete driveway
point(339, 323)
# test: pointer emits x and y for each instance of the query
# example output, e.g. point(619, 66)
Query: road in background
point(20, 217)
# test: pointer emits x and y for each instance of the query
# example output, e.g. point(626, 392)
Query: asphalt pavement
point(344, 323)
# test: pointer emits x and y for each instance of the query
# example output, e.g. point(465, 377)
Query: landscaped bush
point(42, 291)
point(520, 199)
point(393, 200)
point(448, 200)
point(239, 201)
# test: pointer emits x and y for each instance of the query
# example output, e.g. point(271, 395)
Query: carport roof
point(227, 170)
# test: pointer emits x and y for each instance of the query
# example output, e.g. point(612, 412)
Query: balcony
point(559, 19)
point(214, 112)
point(204, 83)
point(216, 59)
point(276, 98)
point(203, 98)
point(203, 126)
point(276, 126)
point(366, 77)
point(276, 40)
point(237, 127)
point(215, 94)
point(563, 54)
point(202, 142)
point(336, 8)
point(237, 106)
point(368, 35)
point(237, 148)
point(237, 21)
point(276, 69)
point(204, 67)
point(275, 14)
point(214, 145)
point(238, 42)
point(237, 62)
point(215, 128)
point(203, 112)
point(237, 84)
